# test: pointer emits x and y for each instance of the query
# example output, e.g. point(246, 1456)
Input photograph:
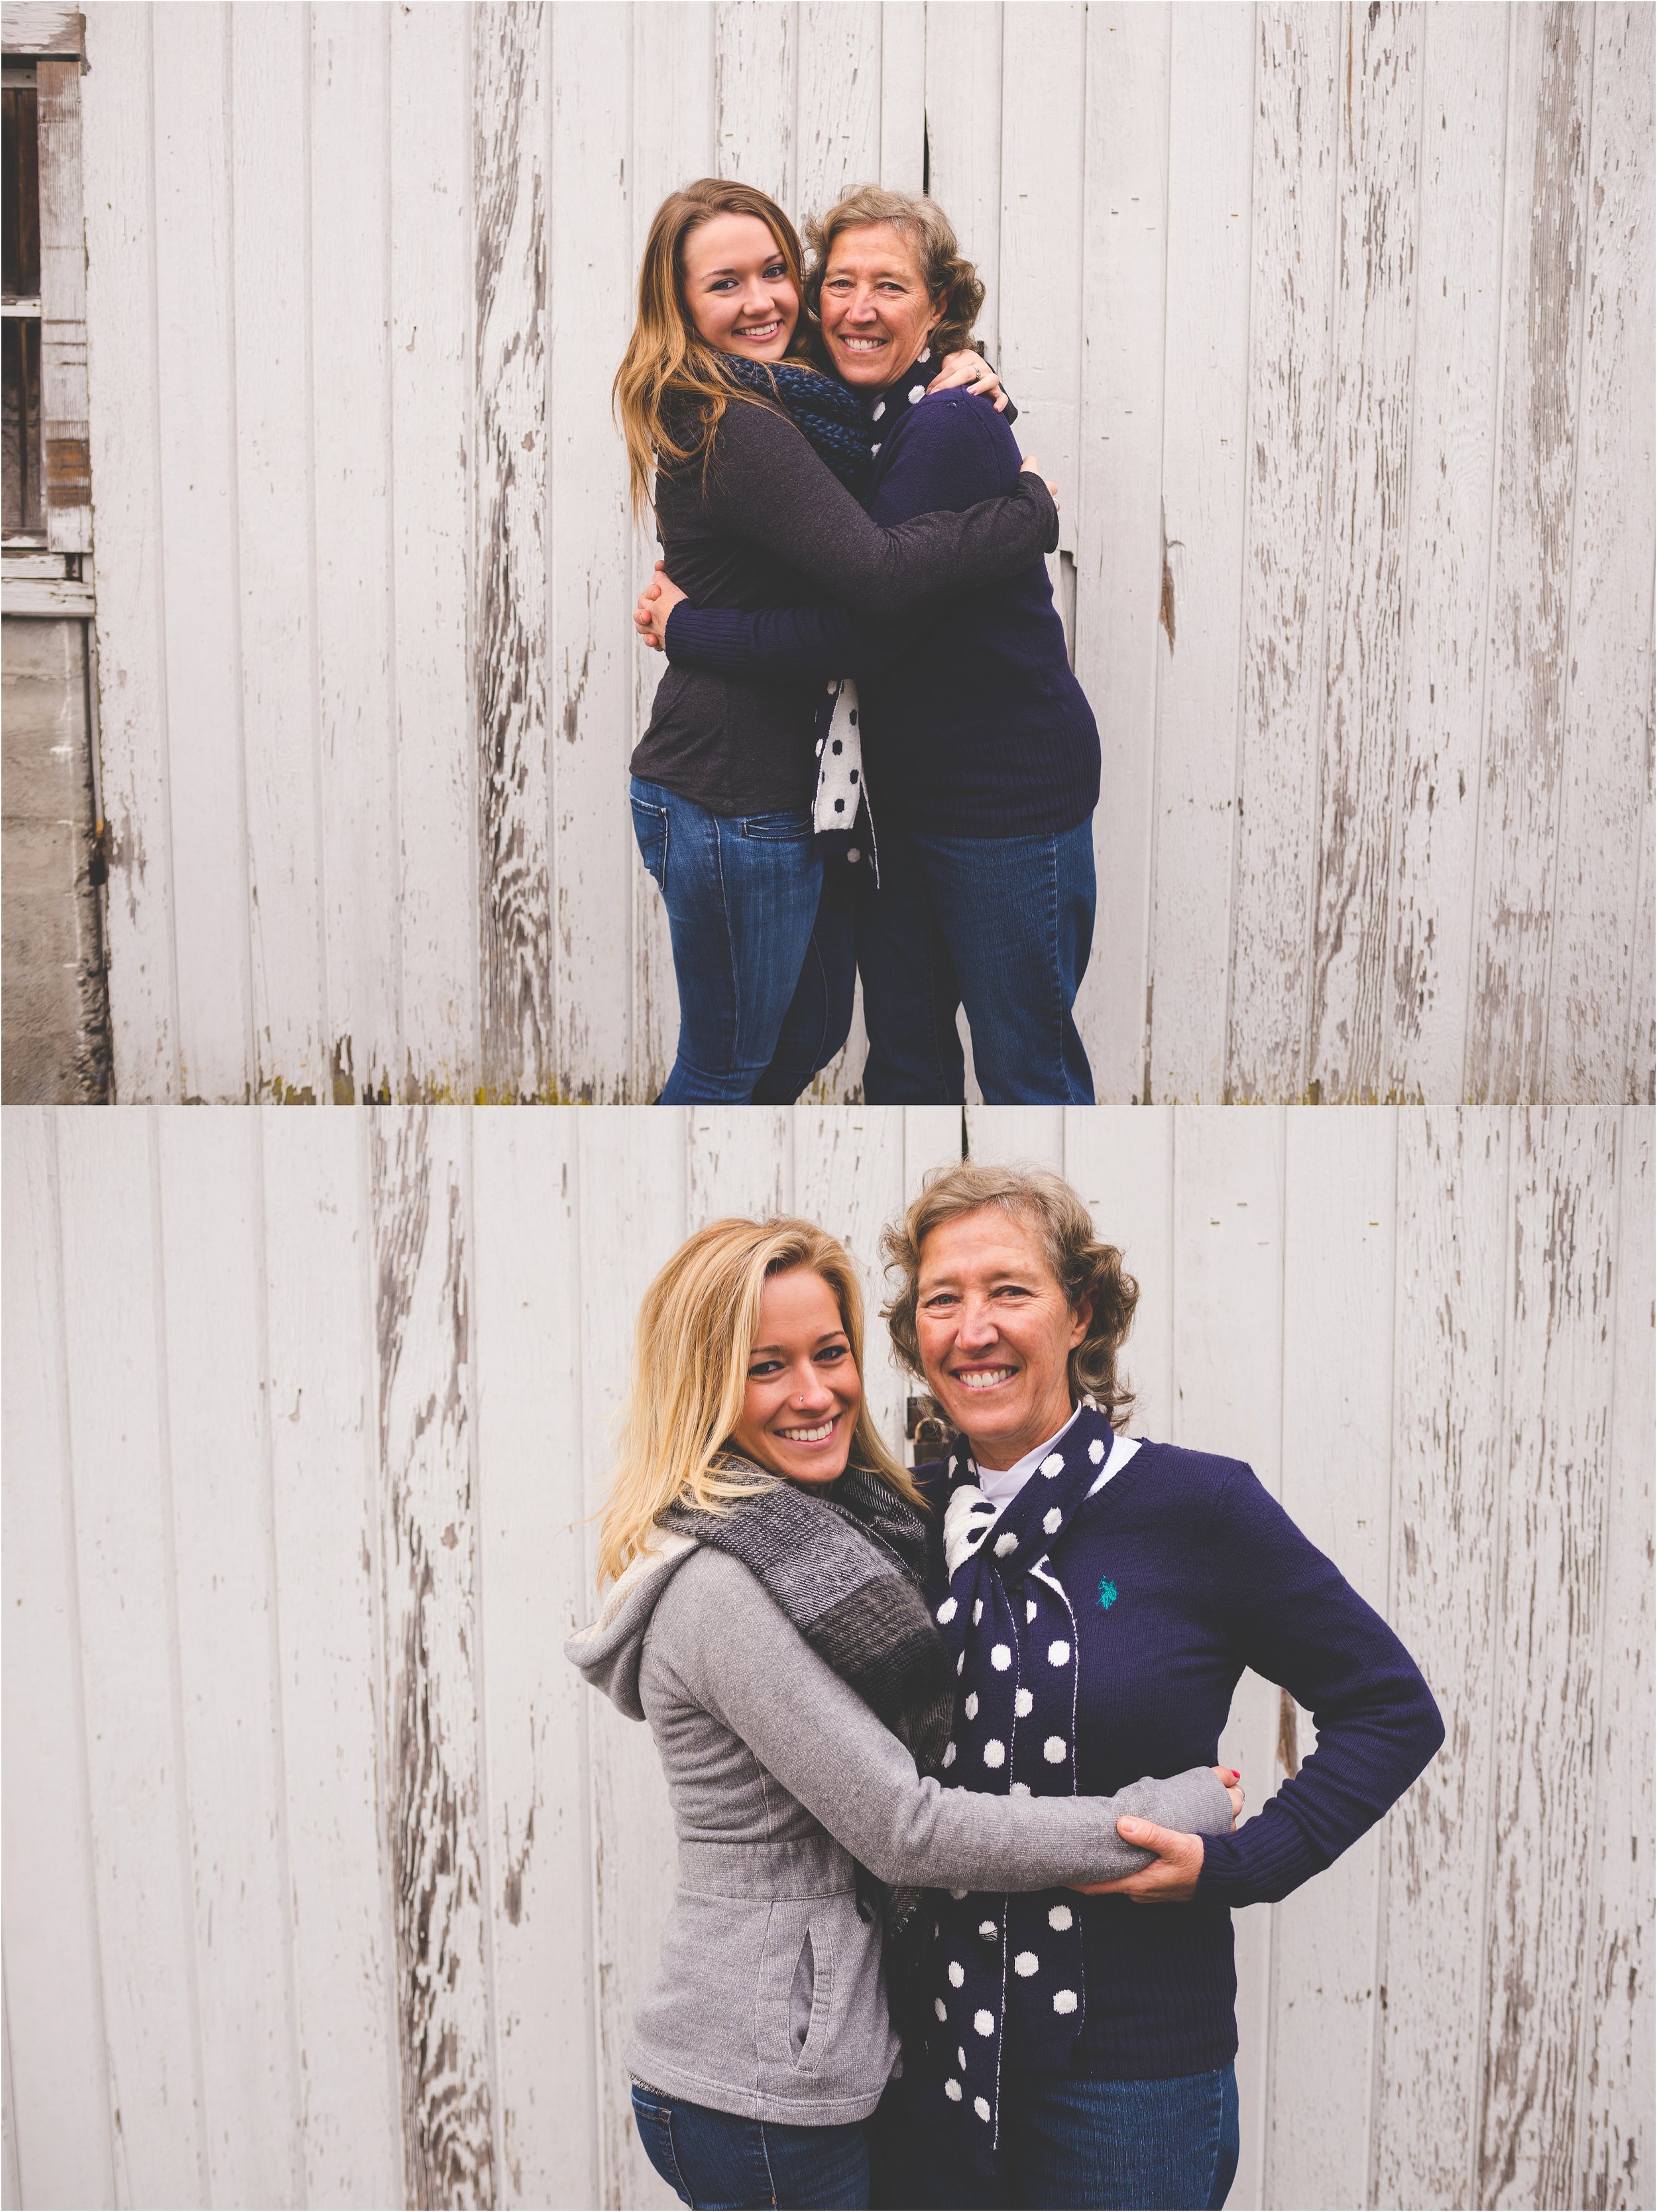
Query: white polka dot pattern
point(946, 1612)
point(1016, 1962)
point(952, 2090)
point(940, 2008)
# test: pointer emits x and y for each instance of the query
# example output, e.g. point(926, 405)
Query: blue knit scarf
point(1006, 1972)
point(825, 409)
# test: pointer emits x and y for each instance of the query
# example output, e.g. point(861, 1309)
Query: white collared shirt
point(1002, 1485)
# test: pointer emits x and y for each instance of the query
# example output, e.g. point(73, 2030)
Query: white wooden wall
point(326, 1882)
point(1334, 324)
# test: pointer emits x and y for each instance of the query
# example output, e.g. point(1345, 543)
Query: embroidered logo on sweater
point(1106, 1594)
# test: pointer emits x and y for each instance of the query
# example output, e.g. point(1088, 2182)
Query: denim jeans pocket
point(791, 826)
point(650, 828)
point(653, 2117)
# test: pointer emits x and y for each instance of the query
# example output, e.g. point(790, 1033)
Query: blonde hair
point(666, 355)
point(1089, 1271)
point(691, 1346)
point(944, 270)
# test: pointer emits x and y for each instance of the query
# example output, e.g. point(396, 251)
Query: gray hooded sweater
point(771, 1999)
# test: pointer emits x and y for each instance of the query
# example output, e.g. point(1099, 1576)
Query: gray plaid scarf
point(847, 1571)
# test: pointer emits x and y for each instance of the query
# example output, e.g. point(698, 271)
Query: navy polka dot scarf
point(1006, 1972)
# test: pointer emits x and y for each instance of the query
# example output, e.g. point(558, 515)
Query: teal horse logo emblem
point(1106, 1594)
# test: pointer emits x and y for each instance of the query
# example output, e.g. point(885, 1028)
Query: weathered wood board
point(436, 1839)
point(1447, 1499)
point(511, 95)
point(1331, 328)
point(329, 1883)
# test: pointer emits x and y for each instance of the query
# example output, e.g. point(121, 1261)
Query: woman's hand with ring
point(975, 372)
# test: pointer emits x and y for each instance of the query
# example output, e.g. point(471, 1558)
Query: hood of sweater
point(608, 1651)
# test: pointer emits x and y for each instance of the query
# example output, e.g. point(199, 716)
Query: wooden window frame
point(54, 39)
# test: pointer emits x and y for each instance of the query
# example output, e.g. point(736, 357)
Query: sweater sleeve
point(738, 1655)
point(1299, 1622)
point(783, 641)
point(955, 452)
point(765, 484)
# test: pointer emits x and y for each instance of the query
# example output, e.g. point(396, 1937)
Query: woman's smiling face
point(738, 290)
point(876, 312)
point(804, 1391)
point(996, 1332)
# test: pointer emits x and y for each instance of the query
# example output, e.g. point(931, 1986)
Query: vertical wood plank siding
point(1332, 325)
point(327, 1882)
point(420, 1199)
point(510, 96)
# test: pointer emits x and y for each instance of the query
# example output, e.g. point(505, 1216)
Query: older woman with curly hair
point(978, 751)
point(1100, 1595)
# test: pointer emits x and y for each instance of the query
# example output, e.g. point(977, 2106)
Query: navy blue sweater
point(973, 724)
point(1209, 1575)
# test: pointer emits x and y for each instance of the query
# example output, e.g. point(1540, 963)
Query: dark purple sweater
point(973, 724)
point(1208, 1575)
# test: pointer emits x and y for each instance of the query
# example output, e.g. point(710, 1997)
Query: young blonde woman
point(758, 457)
point(764, 1556)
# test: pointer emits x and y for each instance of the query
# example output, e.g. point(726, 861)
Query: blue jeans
point(742, 894)
point(1001, 926)
point(718, 2158)
point(1066, 2141)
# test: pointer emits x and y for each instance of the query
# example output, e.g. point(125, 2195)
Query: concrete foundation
point(54, 1003)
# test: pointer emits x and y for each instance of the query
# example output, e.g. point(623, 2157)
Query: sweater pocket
point(801, 1998)
point(796, 1987)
